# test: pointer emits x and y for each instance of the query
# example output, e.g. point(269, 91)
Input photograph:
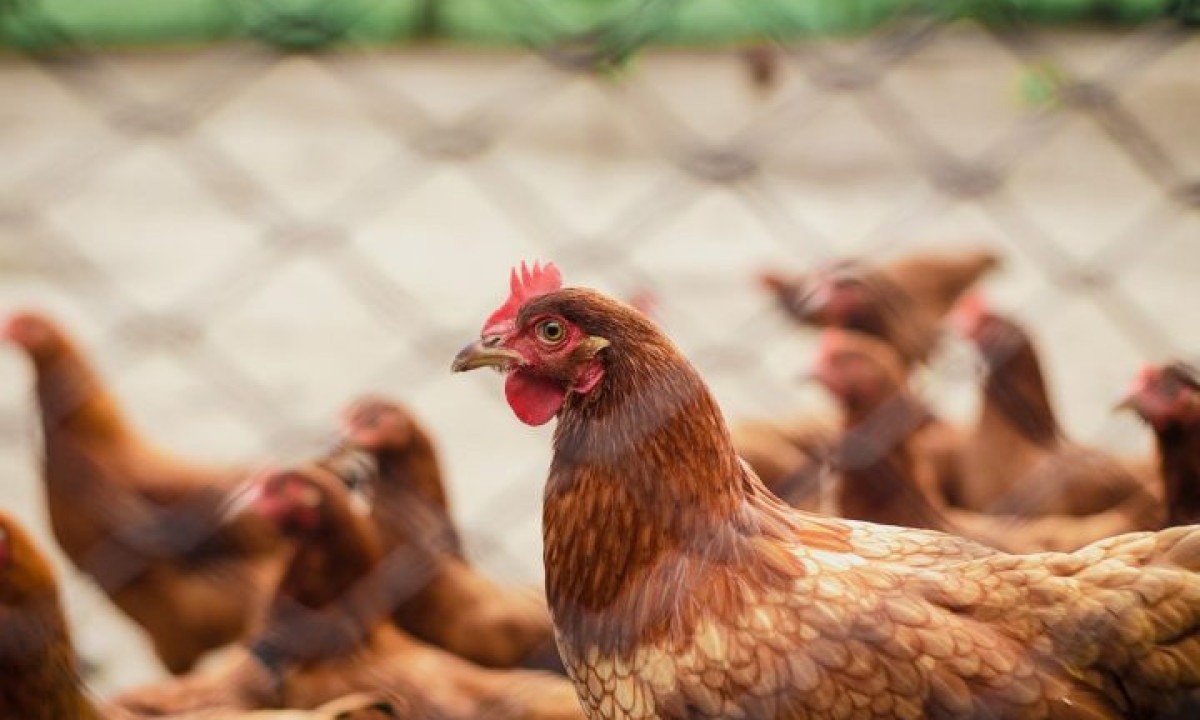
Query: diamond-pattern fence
point(248, 234)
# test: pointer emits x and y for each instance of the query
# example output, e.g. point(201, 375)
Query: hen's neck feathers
point(645, 487)
point(878, 471)
point(37, 661)
point(1015, 392)
point(73, 398)
point(411, 500)
point(1179, 462)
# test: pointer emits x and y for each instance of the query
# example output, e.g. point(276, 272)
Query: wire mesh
point(249, 234)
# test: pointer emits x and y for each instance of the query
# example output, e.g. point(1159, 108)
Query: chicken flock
point(884, 564)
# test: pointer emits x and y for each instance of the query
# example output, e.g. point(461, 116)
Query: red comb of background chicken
point(968, 313)
point(523, 286)
point(27, 329)
point(1142, 379)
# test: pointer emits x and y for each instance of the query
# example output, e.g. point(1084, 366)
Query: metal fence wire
point(246, 234)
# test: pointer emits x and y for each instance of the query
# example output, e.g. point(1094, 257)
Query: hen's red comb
point(523, 286)
point(1143, 378)
point(969, 312)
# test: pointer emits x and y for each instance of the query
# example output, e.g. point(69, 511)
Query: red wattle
point(534, 400)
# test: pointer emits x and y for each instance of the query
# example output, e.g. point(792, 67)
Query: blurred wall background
point(249, 225)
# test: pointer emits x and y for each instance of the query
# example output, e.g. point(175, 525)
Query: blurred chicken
point(887, 469)
point(328, 635)
point(37, 660)
point(896, 458)
point(143, 524)
point(680, 588)
point(1018, 460)
point(1168, 398)
point(902, 302)
point(440, 598)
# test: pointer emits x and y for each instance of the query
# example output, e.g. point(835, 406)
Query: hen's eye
point(551, 332)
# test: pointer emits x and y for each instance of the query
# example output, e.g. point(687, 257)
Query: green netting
point(613, 24)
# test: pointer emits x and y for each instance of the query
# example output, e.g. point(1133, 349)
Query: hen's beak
point(485, 352)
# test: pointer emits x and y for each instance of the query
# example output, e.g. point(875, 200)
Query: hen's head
point(995, 337)
point(548, 341)
point(1166, 395)
point(845, 293)
point(376, 424)
point(36, 334)
point(861, 371)
point(302, 502)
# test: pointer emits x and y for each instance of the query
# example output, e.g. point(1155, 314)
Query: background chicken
point(438, 595)
point(902, 302)
point(901, 465)
point(328, 632)
point(1168, 398)
point(41, 680)
point(888, 455)
point(143, 524)
point(1018, 460)
point(715, 600)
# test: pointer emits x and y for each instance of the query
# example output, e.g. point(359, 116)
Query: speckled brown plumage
point(680, 588)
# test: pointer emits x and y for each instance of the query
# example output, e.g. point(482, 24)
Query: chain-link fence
point(248, 234)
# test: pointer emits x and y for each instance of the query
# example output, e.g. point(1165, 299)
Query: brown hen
point(1167, 397)
point(680, 588)
point(140, 522)
point(1018, 460)
point(902, 302)
point(328, 633)
point(897, 461)
point(440, 597)
point(38, 664)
